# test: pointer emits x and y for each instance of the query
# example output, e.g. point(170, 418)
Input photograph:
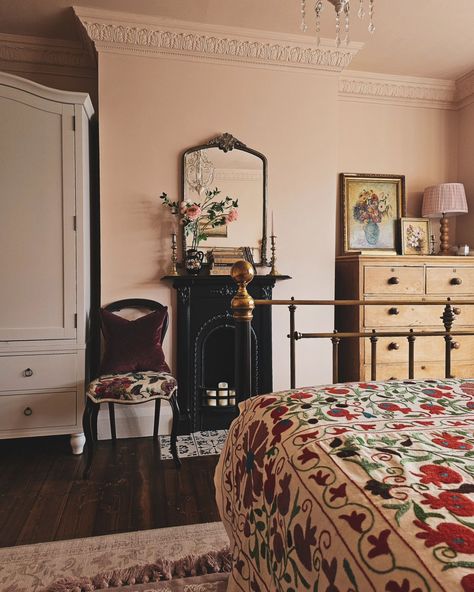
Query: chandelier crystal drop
point(343, 9)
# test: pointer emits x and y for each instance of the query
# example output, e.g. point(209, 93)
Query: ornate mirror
point(240, 173)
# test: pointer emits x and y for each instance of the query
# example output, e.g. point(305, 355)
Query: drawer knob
point(393, 311)
point(28, 372)
point(393, 345)
point(455, 345)
point(456, 310)
point(423, 367)
point(28, 411)
point(456, 281)
point(394, 280)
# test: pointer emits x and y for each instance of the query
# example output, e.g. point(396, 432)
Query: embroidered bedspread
point(352, 487)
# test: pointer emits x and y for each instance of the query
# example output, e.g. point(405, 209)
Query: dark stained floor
point(44, 498)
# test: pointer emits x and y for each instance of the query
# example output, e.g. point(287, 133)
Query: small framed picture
point(371, 205)
point(415, 236)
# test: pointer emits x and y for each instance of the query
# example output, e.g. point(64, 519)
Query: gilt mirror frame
point(227, 142)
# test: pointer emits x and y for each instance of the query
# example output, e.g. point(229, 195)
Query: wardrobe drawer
point(423, 370)
point(450, 280)
point(37, 410)
point(427, 349)
point(394, 280)
point(37, 371)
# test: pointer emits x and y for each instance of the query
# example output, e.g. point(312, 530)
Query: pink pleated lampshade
point(447, 198)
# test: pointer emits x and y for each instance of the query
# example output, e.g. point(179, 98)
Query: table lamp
point(442, 201)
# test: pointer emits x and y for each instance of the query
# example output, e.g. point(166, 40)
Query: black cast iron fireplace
point(206, 349)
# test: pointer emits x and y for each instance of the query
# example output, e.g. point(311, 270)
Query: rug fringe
point(191, 565)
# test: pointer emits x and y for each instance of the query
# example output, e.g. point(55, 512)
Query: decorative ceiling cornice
point(465, 89)
point(399, 90)
point(150, 36)
point(22, 53)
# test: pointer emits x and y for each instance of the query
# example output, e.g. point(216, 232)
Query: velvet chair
point(133, 370)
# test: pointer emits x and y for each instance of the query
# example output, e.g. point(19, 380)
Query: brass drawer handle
point(394, 280)
point(456, 310)
point(456, 281)
point(393, 311)
point(393, 345)
point(423, 367)
point(28, 411)
point(28, 372)
point(455, 345)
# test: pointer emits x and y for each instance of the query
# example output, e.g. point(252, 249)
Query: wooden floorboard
point(44, 498)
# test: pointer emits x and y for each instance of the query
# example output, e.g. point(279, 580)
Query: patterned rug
point(34, 568)
point(196, 444)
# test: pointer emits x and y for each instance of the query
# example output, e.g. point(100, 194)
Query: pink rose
point(182, 207)
point(193, 212)
point(232, 216)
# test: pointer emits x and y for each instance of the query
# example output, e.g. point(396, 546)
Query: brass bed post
point(411, 355)
point(448, 320)
point(335, 357)
point(292, 336)
point(373, 351)
point(242, 310)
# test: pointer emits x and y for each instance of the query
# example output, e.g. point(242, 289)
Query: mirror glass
point(237, 172)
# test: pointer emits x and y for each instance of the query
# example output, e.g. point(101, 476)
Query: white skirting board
point(134, 421)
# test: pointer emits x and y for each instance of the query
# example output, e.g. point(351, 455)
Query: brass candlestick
point(273, 270)
point(174, 257)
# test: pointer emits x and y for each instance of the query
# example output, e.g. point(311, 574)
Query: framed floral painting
point(415, 236)
point(371, 206)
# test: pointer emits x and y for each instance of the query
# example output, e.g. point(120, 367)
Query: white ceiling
point(432, 38)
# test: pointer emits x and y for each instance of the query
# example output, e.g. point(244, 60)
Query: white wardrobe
point(44, 259)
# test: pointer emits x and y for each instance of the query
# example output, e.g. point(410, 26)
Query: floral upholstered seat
point(132, 387)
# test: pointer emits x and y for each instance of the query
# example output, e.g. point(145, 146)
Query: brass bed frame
point(242, 310)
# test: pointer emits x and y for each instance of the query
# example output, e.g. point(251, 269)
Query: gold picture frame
point(415, 236)
point(371, 205)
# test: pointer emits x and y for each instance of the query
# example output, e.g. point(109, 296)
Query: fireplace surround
point(205, 335)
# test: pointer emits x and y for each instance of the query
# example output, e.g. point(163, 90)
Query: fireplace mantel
point(206, 345)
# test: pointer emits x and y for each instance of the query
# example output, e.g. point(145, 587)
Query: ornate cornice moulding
point(399, 90)
point(151, 36)
point(465, 89)
point(22, 53)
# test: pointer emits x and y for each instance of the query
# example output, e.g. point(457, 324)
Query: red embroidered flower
point(433, 409)
point(337, 492)
point(304, 540)
point(405, 586)
point(278, 412)
point(393, 407)
point(266, 401)
point(380, 544)
point(367, 426)
point(278, 429)
point(320, 478)
point(456, 536)
point(251, 464)
point(301, 396)
point(437, 393)
point(437, 474)
point(401, 426)
point(467, 583)
point(333, 390)
point(283, 498)
point(367, 385)
point(456, 503)
point(307, 455)
point(354, 520)
point(270, 479)
point(467, 388)
point(450, 441)
point(338, 412)
point(338, 431)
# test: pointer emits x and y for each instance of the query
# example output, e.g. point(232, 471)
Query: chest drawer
point(37, 371)
point(37, 410)
point(427, 349)
point(450, 280)
point(423, 370)
point(412, 315)
point(394, 280)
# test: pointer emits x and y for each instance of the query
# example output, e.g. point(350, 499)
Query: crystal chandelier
point(199, 171)
point(342, 8)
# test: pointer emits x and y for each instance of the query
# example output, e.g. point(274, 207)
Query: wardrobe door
point(37, 218)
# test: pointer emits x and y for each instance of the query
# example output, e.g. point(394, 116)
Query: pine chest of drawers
point(402, 278)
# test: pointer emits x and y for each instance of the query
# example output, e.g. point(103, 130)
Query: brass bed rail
point(243, 305)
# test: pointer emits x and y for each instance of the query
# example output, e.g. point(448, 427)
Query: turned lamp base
point(444, 236)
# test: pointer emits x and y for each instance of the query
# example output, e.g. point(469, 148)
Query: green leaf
point(350, 573)
point(419, 512)
point(401, 511)
point(260, 525)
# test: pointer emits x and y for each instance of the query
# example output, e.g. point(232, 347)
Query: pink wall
point(420, 143)
point(154, 108)
point(465, 224)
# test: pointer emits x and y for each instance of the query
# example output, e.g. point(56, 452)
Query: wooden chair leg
point(112, 421)
point(156, 423)
point(174, 431)
point(89, 423)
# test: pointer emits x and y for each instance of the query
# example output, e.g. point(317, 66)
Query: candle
point(173, 238)
point(273, 226)
point(223, 393)
point(211, 398)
